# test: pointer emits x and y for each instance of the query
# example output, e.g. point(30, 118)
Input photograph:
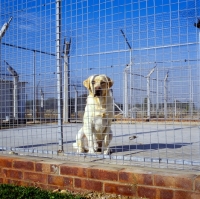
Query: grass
point(19, 192)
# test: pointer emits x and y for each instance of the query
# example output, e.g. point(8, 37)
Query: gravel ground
point(95, 195)
point(109, 196)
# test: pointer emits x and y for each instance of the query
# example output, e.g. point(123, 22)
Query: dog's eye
point(103, 82)
point(93, 82)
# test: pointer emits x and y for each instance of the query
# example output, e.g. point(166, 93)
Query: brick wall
point(123, 180)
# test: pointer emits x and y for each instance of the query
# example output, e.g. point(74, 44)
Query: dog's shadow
point(144, 147)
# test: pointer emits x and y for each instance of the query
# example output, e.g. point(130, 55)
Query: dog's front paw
point(91, 151)
point(80, 150)
point(107, 152)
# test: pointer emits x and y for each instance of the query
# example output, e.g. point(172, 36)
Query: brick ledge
point(77, 176)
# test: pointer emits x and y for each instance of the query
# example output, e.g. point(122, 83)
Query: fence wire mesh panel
point(149, 49)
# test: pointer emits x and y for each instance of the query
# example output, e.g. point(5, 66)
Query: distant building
point(133, 112)
point(7, 101)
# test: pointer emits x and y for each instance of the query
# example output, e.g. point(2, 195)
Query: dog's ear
point(110, 82)
point(86, 83)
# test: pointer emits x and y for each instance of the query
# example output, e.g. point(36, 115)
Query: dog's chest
point(100, 112)
point(99, 123)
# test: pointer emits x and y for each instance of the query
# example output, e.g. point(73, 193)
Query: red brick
point(55, 180)
point(46, 167)
point(186, 195)
point(88, 184)
point(166, 194)
point(74, 170)
point(144, 179)
point(14, 182)
point(146, 192)
point(42, 167)
point(23, 165)
point(125, 190)
point(1, 174)
point(67, 181)
point(43, 186)
point(164, 181)
point(174, 181)
point(18, 182)
point(1, 180)
point(197, 184)
point(103, 174)
point(28, 183)
point(195, 195)
point(182, 195)
point(60, 180)
point(185, 183)
point(16, 174)
point(6, 162)
point(35, 177)
point(54, 168)
point(135, 177)
point(127, 177)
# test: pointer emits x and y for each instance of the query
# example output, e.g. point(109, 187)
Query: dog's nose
point(98, 91)
point(98, 88)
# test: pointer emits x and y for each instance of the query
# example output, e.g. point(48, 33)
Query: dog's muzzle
point(98, 92)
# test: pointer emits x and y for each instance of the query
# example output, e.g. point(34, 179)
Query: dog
point(96, 133)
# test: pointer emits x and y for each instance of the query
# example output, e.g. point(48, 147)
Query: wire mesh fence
point(150, 49)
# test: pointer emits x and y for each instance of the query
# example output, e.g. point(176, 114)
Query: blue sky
point(94, 27)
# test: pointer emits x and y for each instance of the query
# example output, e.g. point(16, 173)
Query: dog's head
point(98, 85)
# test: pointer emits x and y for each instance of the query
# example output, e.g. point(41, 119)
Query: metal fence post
point(175, 111)
point(34, 87)
point(148, 94)
point(197, 25)
point(128, 67)
point(66, 107)
point(41, 105)
point(59, 76)
point(15, 90)
point(157, 99)
point(3, 31)
point(125, 104)
point(165, 95)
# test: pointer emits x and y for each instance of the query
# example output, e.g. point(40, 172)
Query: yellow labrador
point(96, 133)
